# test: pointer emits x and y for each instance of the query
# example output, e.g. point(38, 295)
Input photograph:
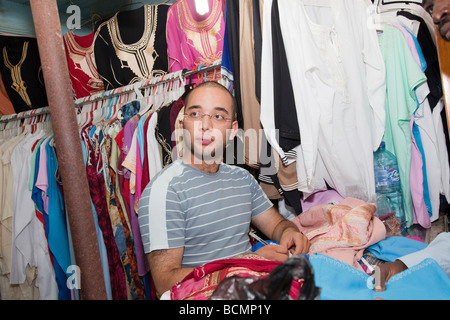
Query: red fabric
point(82, 69)
point(203, 280)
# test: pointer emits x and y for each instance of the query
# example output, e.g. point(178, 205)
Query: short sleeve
point(161, 218)
point(260, 202)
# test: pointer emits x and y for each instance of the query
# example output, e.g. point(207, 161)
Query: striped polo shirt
point(207, 214)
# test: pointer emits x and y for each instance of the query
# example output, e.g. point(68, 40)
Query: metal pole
point(68, 145)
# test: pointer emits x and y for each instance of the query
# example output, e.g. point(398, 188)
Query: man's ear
point(234, 130)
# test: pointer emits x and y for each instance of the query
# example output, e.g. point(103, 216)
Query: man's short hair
point(214, 84)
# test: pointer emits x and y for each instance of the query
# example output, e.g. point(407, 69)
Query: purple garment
point(321, 197)
point(128, 131)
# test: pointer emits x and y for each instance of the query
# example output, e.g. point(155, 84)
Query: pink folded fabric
point(341, 231)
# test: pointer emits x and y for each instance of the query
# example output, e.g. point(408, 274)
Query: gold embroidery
point(18, 84)
point(202, 35)
point(141, 55)
point(83, 59)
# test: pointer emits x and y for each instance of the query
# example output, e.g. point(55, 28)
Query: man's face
point(440, 12)
point(206, 137)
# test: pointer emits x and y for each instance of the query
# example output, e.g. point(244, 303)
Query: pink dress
point(193, 40)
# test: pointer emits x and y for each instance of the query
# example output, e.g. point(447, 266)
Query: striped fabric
point(207, 214)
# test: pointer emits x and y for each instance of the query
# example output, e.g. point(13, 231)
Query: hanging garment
point(126, 146)
point(163, 134)
point(424, 32)
point(425, 129)
point(57, 224)
point(121, 230)
point(100, 240)
point(430, 54)
point(131, 46)
point(257, 38)
point(25, 290)
point(417, 183)
point(113, 169)
point(6, 106)
point(330, 52)
point(29, 243)
point(285, 114)
point(21, 72)
point(81, 62)
point(404, 76)
point(97, 191)
point(418, 174)
point(249, 103)
point(194, 40)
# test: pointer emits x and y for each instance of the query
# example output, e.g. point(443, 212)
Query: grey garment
point(207, 214)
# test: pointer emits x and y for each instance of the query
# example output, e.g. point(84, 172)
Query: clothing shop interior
point(343, 124)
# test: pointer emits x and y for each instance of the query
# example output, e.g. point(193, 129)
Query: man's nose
point(206, 122)
point(441, 9)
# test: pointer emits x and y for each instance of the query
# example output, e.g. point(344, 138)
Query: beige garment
point(270, 190)
point(251, 108)
point(287, 176)
point(27, 290)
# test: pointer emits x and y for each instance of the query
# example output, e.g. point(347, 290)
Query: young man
point(439, 248)
point(199, 209)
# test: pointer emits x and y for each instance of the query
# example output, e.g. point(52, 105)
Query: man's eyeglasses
point(194, 115)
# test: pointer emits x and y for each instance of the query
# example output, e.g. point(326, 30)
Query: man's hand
point(294, 241)
point(278, 229)
point(273, 252)
point(387, 270)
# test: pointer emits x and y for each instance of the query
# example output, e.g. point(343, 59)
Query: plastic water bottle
point(387, 186)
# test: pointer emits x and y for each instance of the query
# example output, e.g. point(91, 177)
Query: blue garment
point(140, 136)
point(259, 245)
point(56, 226)
point(129, 110)
point(226, 68)
point(340, 281)
point(395, 247)
point(426, 192)
point(36, 195)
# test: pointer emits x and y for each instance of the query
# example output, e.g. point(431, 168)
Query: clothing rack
point(148, 83)
point(151, 82)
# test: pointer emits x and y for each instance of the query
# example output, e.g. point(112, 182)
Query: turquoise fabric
point(340, 281)
point(395, 247)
